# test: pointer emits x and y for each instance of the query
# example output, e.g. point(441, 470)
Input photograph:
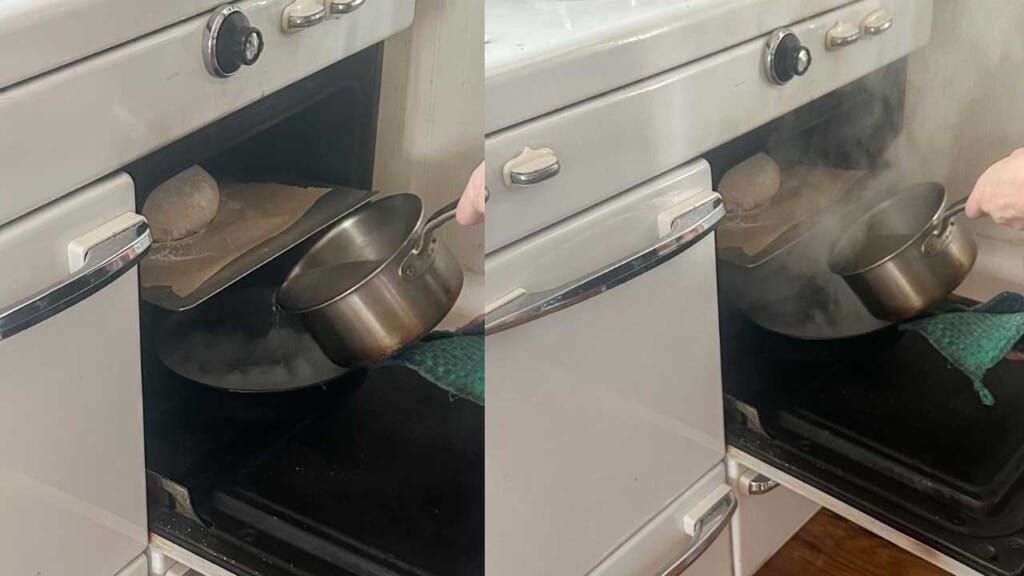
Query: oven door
point(72, 486)
point(604, 405)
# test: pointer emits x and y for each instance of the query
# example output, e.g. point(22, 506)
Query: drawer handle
point(841, 35)
point(532, 167)
point(339, 7)
point(705, 529)
point(876, 23)
point(755, 484)
point(699, 220)
point(302, 14)
point(104, 260)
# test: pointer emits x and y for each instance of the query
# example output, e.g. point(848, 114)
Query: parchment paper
point(248, 215)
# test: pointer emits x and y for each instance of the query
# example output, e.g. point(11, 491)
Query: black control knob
point(231, 42)
point(785, 57)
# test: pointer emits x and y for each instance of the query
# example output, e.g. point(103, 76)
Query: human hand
point(999, 192)
point(471, 205)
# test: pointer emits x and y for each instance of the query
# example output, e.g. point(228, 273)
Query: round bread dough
point(183, 205)
point(751, 184)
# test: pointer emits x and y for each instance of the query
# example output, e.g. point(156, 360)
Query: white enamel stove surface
point(40, 35)
point(68, 127)
point(600, 414)
point(542, 55)
point(613, 142)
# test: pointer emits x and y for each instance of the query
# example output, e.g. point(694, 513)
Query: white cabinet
point(600, 414)
point(691, 535)
point(72, 469)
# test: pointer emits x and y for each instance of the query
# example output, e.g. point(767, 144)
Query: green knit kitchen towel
point(972, 341)
point(453, 362)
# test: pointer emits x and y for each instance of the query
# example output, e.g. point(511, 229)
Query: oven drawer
point(64, 129)
point(72, 490)
point(690, 535)
point(622, 138)
point(599, 414)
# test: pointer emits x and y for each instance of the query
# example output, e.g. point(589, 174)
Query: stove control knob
point(876, 22)
point(785, 57)
point(840, 35)
point(231, 42)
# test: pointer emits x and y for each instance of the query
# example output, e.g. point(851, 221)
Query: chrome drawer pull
point(705, 530)
point(104, 262)
point(302, 14)
point(339, 7)
point(752, 483)
point(532, 167)
point(687, 229)
point(876, 23)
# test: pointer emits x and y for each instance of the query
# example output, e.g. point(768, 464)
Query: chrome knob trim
point(210, 35)
point(245, 42)
point(785, 57)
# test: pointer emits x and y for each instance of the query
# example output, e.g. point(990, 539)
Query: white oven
point(606, 444)
point(86, 90)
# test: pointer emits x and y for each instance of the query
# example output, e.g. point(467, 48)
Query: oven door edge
point(850, 512)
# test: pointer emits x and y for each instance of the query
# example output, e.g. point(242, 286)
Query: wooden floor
point(829, 545)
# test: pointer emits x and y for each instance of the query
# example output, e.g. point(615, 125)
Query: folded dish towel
point(976, 339)
point(454, 362)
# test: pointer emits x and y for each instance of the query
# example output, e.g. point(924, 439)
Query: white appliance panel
point(67, 128)
point(663, 541)
point(542, 55)
point(40, 35)
point(600, 414)
point(138, 567)
point(615, 141)
point(72, 468)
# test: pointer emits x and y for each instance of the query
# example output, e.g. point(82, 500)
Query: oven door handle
point(704, 524)
point(97, 258)
point(701, 217)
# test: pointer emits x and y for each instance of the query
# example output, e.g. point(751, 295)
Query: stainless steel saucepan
point(376, 282)
point(907, 253)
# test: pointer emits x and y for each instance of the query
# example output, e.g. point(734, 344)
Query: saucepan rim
point(411, 238)
point(835, 262)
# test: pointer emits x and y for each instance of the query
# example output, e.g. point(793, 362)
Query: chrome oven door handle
point(705, 530)
point(104, 261)
point(687, 229)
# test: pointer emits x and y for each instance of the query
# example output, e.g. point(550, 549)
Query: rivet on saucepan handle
point(421, 256)
point(942, 227)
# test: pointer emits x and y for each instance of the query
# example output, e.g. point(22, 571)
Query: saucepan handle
point(438, 219)
point(941, 227)
point(952, 211)
point(422, 256)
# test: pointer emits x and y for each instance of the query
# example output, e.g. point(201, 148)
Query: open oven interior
point(880, 420)
point(366, 472)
